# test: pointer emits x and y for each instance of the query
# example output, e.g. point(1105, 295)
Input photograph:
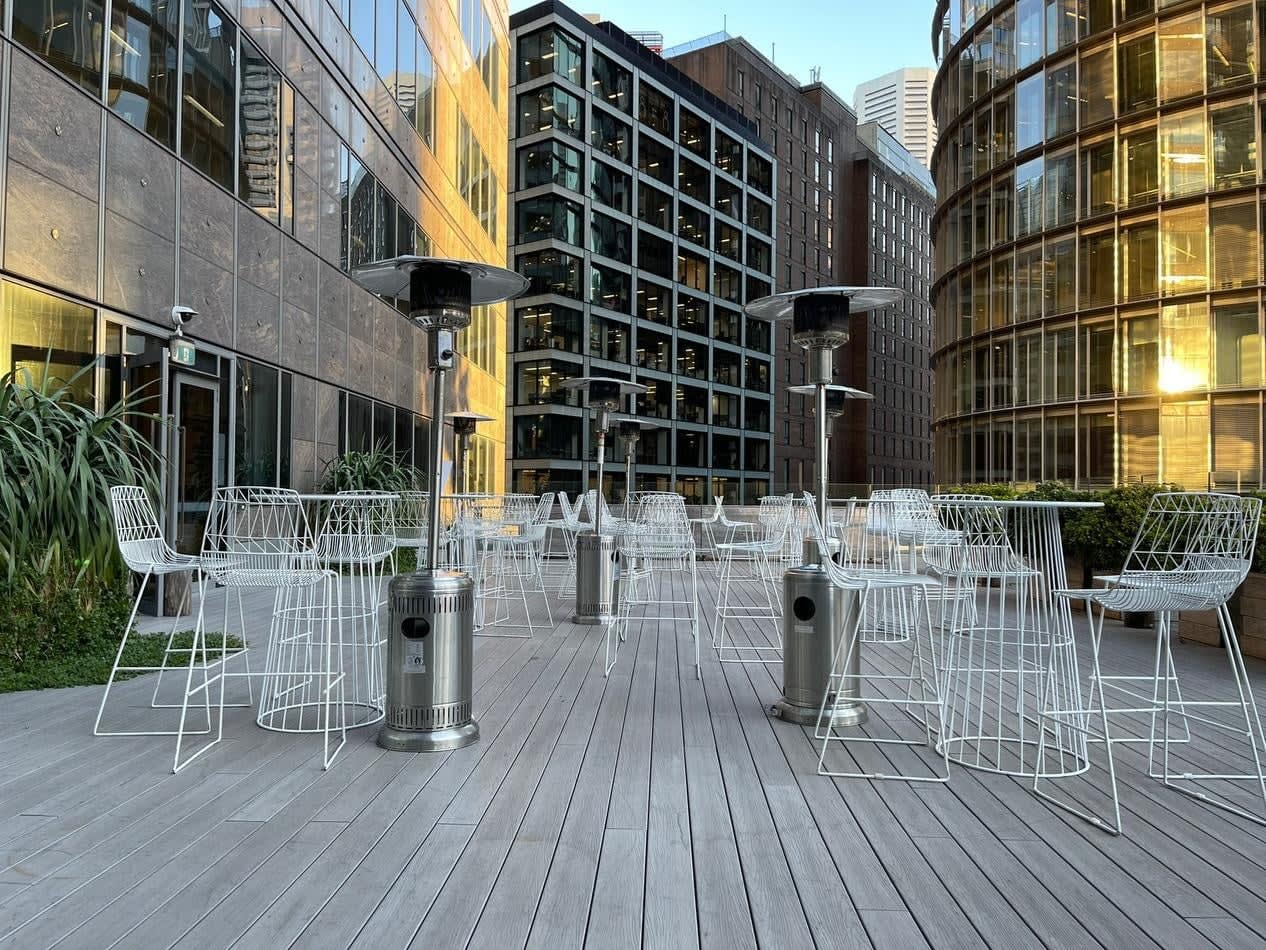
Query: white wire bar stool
point(870, 562)
point(1191, 552)
point(514, 562)
point(657, 552)
point(749, 608)
point(563, 530)
point(259, 538)
point(357, 538)
point(997, 648)
point(145, 551)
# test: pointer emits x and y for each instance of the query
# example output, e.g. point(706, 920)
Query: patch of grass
point(91, 666)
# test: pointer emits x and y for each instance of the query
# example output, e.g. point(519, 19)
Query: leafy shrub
point(375, 470)
point(58, 461)
point(58, 613)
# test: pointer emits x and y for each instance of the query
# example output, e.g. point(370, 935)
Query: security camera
point(180, 316)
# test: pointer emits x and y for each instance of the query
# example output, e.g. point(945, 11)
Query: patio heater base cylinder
point(817, 616)
point(597, 578)
point(430, 647)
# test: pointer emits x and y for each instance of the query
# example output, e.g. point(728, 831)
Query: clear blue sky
point(851, 40)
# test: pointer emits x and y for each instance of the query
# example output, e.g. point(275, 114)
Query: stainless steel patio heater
point(631, 430)
point(431, 612)
point(816, 613)
point(463, 428)
point(597, 560)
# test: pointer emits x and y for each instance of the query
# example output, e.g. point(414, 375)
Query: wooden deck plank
point(586, 804)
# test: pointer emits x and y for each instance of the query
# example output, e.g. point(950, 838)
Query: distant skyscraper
point(901, 102)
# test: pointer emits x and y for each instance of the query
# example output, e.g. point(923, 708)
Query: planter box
point(1248, 614)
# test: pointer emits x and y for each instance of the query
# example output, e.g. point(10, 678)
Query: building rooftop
point(893, 154)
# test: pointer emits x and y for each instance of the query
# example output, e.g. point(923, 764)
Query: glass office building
point(241, 159)
point(643, 214)
point(1098, 242)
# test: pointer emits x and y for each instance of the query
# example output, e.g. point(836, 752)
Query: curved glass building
point(1097, 235)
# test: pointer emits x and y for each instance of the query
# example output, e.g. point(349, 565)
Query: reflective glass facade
point(1098, 243)
point(642, 214)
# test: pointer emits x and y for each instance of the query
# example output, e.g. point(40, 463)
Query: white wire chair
point(655, 549)
point(514, 563)
point(869, 562)
point(145, 551)
point(1192, 550)
point(409, 522)
point(753, 605)
point(259, 538)
point(357, 538)
point(564, 529)
point(994, 652)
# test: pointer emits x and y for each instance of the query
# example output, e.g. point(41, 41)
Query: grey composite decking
point(646, 809)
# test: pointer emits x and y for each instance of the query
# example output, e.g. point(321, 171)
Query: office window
point(608, 339)
point(655, 110)
point(1184, 264)
point(1096, 15)
point(1140, 175)
point(1061, 24)
point(1003, 209)
point(612, 83)
point(984, 140)
point(1058, 365)
point(424, 116)
point(1029, 273)
point(1030, 114)
point(1237, 346)
point(386, 214)
point(729, 241)
point(1234, 255)
point(656, 207)
point(549, 216)
point(609, 288)
point(1028, 369)
point(983, 58)
point(1060, 187)
point(654, 255)
point(727, 198)
point(1233, 145)
point(655, 159)
point(611, 187)
point(1098, 179)
point(207, 120)
point(1140, 445)
point(551, 107)
point(1098, 260)
point(694, 134)
point(1231, 55)
point(1061, 99)
point(384, 58)
point(692, 316)
point(727, 283)
point(1182, 147)
point(551, 272)
point(540, 382)
point(694, 180)
point(1236, 441)
point(1136, 73)
point(1182, 57)
point(760, 173)
point(1004, 45)
point(1140, 361)
point(142, 62)
point(259, 151)
point(1028, 198)
point(1184, 363)
point(1059, 290)
point(1139, 252)
point(611, 136)
point(549, 326)
point(729, 154)
point(1096, 359)
point(67, 34)
point(361, 23)
point(1133, 9)
point(692, 270)
point(654, 303)
point(550, 163)
point(1003, 128)
point(1098, 87)
point(483, 46)
point(1029, 41)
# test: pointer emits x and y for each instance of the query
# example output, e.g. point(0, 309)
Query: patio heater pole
point(631, 431)
point(430, 632)
point(463, 428)
point(818, 616)
point(597, 559)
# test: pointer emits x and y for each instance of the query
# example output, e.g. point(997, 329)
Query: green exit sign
point(183, 353)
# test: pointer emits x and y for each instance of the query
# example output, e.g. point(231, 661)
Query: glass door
point(194, 457)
